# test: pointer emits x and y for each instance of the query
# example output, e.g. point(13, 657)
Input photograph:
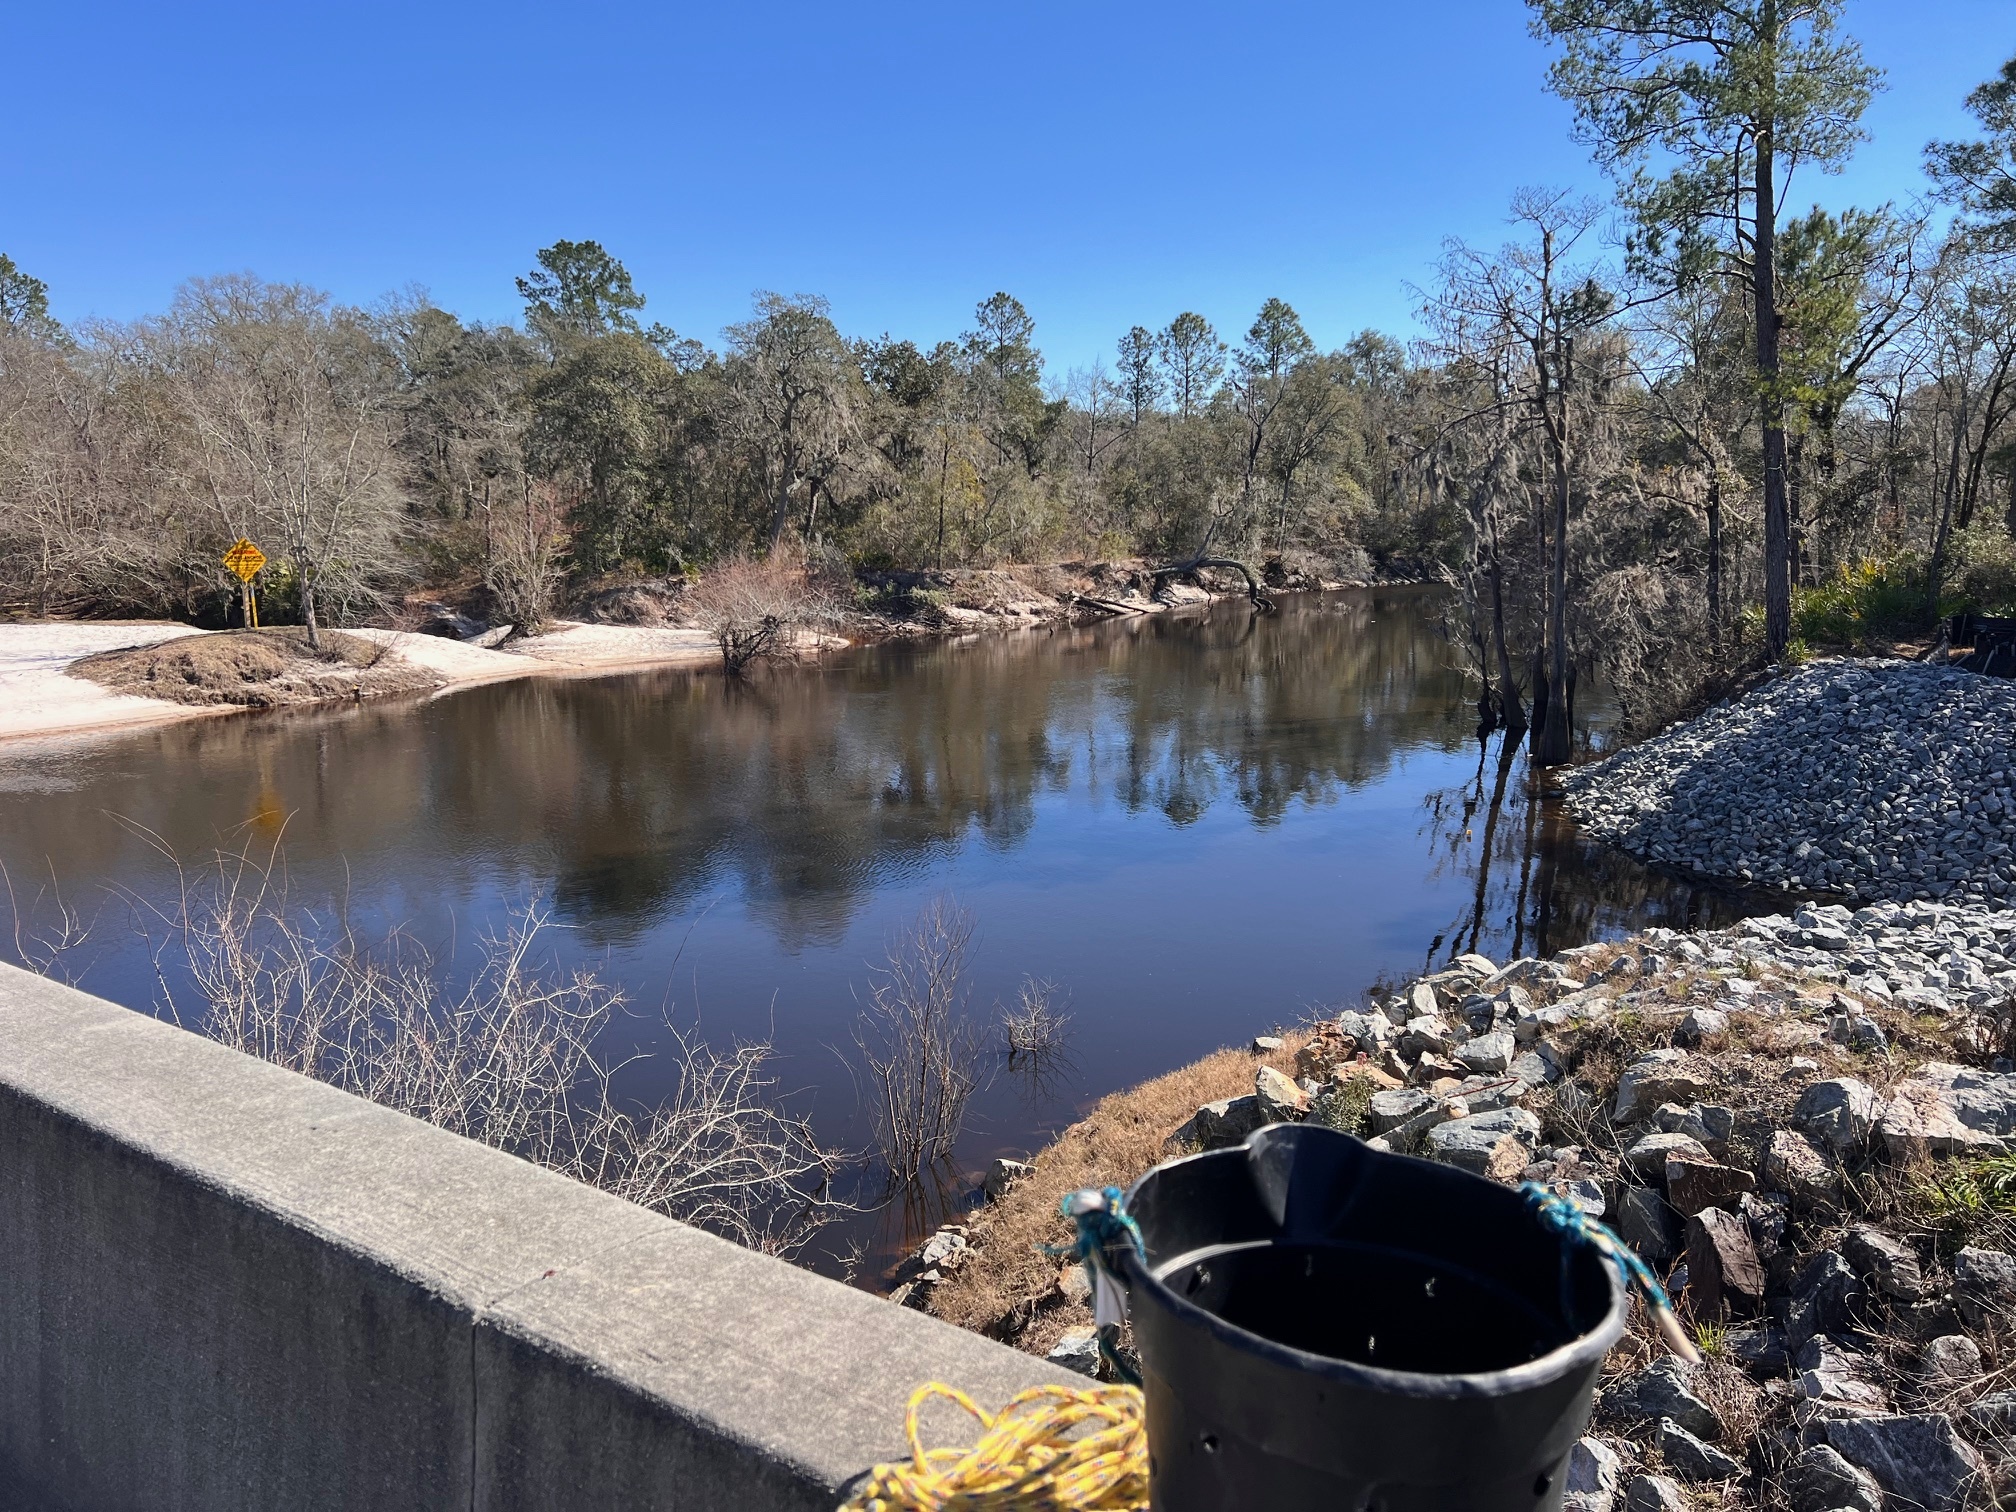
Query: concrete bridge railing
point(224, 1286)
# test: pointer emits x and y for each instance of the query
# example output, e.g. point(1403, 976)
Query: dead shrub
point(921, 1053)
point(757, 610)
point(1032, 1024)
point(505, 1055)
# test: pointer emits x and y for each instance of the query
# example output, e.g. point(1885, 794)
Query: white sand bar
point(38, 697)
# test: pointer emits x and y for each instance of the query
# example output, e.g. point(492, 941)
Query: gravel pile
point(1865, 779)
point(1751, 1094)
point(1803, 1123)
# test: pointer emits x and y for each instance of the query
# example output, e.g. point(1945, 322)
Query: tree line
point(1646, 436)
point(1687, 426)
point(372, 450)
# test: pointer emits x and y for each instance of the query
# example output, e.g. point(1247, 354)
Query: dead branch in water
point(1254, 591)
point(919, 1047)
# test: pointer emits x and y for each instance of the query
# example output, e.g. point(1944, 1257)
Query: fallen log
point(1254, 591)
point(1105, 606)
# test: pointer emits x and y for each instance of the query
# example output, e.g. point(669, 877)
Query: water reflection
point(1197, 825)
point(1535, 886)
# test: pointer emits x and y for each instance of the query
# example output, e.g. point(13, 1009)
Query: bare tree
point(527, 551)
point(1518, 317)
point(287, 404)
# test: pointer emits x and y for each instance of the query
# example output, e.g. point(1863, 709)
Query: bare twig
point(507, 1056)
point(920, 1049)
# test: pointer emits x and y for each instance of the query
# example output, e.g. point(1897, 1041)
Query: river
point(1195, 825)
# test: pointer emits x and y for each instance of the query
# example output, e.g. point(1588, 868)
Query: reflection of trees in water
point(1290, 708)
point(637, 796)
point(1538, 885)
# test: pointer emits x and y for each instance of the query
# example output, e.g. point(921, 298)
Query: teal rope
point(1567, 1217)
point(1103, 1222)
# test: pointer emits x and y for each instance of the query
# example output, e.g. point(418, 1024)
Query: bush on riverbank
point(1867, 604)
point(1870, 605)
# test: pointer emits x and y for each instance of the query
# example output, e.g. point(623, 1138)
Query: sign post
point(245, 560)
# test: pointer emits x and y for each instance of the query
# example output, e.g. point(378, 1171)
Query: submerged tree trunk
point(1510, 709)
point(1554, 745)
point(1540, 698)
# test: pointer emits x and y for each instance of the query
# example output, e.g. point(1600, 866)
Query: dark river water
point(1197, 826)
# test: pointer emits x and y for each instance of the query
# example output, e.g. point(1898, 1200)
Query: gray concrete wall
point(224, 1286)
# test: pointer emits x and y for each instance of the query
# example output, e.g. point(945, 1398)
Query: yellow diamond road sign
point(245, 559)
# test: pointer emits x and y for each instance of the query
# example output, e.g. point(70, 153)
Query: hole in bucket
point(1356, 1302)
point(1209, 1443)
point(1541, 1483)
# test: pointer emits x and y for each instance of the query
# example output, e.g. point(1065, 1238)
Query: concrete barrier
point(224, 1286)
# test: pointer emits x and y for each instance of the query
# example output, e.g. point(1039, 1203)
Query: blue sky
point(1108, 163)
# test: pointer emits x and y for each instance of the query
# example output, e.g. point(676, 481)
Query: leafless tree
point(527, 551)
point(919, 1047)
point(1032, 1024)
point(287, 405)
point(1531, 320)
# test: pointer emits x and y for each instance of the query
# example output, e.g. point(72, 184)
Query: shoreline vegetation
point(74, 677)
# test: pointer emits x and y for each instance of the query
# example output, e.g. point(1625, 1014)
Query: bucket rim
point(1584, 1350)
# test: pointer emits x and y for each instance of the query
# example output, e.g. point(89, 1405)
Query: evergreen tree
point(577, 293)
point(1726, 97)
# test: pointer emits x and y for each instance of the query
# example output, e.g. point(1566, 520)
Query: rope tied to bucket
point(1562, 1213)
point(1104, 1223)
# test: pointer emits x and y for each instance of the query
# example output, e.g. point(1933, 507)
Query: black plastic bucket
point(1325, 1326)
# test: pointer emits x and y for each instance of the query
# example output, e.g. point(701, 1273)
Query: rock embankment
point(1805, 1124)
point(1866, 779)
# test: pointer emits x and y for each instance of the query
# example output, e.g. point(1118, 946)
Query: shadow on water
point(1199, 825)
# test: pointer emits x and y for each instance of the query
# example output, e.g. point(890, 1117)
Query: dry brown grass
point(255, 668)
point(1008, 1289)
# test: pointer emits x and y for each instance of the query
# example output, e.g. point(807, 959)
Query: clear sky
point(1108, 163)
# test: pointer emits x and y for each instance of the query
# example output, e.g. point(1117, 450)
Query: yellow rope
point(1026, 1459)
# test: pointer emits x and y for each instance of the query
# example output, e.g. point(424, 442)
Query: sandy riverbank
point(39, 697)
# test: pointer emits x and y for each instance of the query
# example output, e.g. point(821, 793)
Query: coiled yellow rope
point(1026, 1460)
